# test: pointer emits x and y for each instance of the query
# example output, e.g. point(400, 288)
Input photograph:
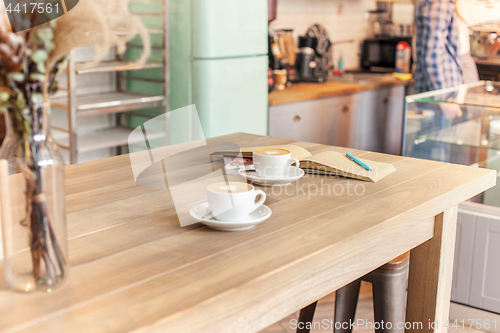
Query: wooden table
point(134, 268)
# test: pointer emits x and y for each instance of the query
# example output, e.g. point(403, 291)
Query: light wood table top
point(133, 268)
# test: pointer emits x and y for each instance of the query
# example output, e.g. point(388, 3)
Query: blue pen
point(357, 161)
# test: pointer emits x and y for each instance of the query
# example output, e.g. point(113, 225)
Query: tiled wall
point(343, 19)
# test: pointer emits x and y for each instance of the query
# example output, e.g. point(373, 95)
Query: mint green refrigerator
point(218, 62)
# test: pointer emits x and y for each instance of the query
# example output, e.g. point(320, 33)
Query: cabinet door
point(393, 130)
point(381, 118)
point(485, 286)
point(462, 266)
point(300, 121)
point(369, 120)
point(341, 121)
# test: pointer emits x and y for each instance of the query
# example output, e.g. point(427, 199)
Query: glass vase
point(33, 206)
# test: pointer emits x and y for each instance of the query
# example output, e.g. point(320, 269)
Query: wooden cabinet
point(462, 268)
point(369, 120)
point(485, 287)
point(344, 120)
point(300, 121)
point(477, 257)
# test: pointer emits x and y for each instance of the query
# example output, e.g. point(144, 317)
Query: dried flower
point(100, 23)
point(29, 62)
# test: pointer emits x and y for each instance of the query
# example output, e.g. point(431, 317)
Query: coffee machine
point(313, 58)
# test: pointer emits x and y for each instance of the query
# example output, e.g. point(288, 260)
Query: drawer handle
point(385, 100)
point(296, 118)
point(345, 109)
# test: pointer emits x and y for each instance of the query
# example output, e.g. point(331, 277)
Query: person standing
point(438, 62)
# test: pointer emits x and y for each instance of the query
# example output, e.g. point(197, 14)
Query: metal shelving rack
point(119, 103)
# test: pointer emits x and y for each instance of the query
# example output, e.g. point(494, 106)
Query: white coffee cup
point(233, 201)
point(273, 162)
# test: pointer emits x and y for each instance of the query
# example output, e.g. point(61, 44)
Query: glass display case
point(462, 125)
point(457, 125)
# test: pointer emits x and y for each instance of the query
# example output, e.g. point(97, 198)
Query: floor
point(324, 310)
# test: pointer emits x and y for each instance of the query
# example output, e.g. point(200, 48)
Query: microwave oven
point(379, 54)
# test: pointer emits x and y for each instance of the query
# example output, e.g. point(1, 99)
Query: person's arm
point(439, 41)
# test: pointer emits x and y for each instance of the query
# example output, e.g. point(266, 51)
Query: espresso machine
point(313, 58)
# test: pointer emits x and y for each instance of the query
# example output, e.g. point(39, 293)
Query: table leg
point(429, 281)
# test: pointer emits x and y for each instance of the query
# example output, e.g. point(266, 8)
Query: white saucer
point(257, 216)
point(251, 176)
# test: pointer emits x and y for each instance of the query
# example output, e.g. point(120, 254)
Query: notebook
point(296, 151)
point(328, 162)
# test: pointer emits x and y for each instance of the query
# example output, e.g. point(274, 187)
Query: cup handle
point(296, 161)
point(261, 200)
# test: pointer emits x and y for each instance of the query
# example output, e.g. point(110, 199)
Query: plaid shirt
point(438, 63)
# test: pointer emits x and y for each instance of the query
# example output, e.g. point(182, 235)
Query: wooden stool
point(389, 299)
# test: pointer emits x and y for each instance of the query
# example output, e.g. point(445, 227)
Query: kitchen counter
point(358, 110)
point(304, 91)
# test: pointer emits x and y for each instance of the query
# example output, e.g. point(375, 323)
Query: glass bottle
point(32, 204)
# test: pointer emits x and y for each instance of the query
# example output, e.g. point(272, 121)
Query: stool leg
point(389, 298)
point(306, 316)
point(346, 299)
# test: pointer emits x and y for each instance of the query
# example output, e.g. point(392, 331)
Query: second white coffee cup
point(273, 162)
point(233, 201)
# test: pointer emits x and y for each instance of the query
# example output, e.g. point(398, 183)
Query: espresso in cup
point(233, 201)
point(272, 151)
point(273, 162)
point(230, 187)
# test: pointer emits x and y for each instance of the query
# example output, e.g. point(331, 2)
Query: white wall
point(343, 19)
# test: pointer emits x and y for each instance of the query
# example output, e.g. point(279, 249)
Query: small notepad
point(326, 163)
point(335, 163)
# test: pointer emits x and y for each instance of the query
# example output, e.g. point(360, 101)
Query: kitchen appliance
point(485, 48)
point(307, 60)
point(314, 57)
point(485, 41)
point(379, 54)
point(218, 61)
point(380, 20)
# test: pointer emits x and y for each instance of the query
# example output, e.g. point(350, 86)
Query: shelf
point(103, 139)
point(494, 61)
point(156, 31)
point(83, 95)
point(478, 94)
point(116, 66)
point(468, 133)
point(113, 102)
point(150, 31)
point(464, 134)
point(148, 14)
